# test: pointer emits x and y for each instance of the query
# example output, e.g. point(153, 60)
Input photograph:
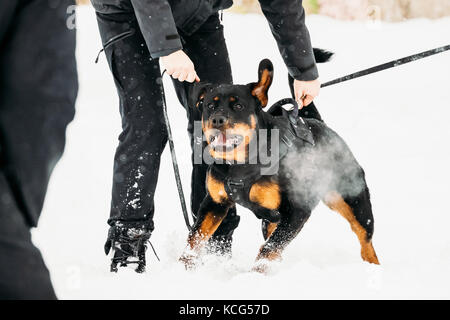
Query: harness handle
point(293, 114)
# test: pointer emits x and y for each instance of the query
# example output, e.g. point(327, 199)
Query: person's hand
point(306, 91)
point(179, 66)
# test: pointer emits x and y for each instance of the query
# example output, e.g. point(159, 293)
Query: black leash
point(174, 158)
point(388, 65)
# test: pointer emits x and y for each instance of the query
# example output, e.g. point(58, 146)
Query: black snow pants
point(138, 79)
point(38, 88)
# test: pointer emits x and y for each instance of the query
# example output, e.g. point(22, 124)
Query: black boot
point(129, 245)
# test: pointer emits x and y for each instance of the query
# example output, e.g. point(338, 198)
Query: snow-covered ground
point(396, 123)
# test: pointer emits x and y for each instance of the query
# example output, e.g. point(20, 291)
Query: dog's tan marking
point(207, 127)
point(336, 203)
point(252, 122)
point(207, 228)
point(200, 98)
point(260, 89)
point(270, 255)
point(216, 189)
point(216, 98)
point(266, 194)
point(232, 99)
point(270, 229)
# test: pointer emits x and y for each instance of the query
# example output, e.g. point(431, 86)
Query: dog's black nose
point(218, 120)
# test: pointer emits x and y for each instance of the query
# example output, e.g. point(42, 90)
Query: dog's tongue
point(221, 138)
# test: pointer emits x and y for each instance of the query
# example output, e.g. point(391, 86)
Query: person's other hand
point(179, 66)
point(306, 91)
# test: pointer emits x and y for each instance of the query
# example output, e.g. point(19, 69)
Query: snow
point(395, 122)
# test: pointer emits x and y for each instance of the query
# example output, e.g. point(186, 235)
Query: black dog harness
point(289, 124)
point(291, 128)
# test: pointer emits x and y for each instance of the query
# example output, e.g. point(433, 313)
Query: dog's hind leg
point(357, 210)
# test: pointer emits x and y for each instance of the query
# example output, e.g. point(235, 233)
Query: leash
point(388, 65)
point(176, 170)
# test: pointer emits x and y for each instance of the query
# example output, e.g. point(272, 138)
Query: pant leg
point(143, 138)
point(23, 274)
point(38, 81)
point(207, 50)
point(7, 9)
point(308, 112)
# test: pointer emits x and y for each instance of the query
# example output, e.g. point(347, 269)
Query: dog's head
point(230, 113)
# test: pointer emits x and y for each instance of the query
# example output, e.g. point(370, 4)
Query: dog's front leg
point(280, 236)
point(210, 217)
point(212, 212)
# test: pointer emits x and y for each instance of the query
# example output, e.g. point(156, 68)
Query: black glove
point(129, 245)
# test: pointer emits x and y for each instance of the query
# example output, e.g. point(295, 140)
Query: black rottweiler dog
point(309, 163)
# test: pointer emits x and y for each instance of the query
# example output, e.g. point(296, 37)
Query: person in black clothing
point(38, 81)
point(188, 38)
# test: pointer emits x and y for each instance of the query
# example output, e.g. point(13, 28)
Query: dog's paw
point(189, 259)
point(264, 266)
point(265, 263)
point(260, 267)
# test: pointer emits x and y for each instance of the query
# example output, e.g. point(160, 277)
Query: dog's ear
point(265, 77)
point(197, 92)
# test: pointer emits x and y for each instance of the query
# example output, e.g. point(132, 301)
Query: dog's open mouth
point(224, 142)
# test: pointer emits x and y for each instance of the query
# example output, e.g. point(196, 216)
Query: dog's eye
point(238, 106)
point(211, 106)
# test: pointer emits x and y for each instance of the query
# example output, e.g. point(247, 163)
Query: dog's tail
point(322, 56)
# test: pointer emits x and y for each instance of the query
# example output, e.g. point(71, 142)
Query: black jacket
point(160, 21)
point(39, 85)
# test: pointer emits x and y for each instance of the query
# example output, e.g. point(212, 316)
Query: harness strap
point(236, 190)
point(291, 127)
point(239, 189)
